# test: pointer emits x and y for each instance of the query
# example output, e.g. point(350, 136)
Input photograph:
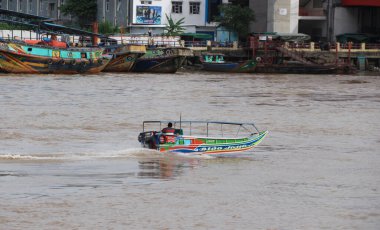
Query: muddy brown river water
point(70, 159)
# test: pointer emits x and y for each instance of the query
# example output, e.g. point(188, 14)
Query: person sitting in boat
point(168, 135)
point(168, 130)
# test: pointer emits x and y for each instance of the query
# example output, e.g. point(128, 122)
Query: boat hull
point(158, 65)
point(296, 69)
point(232, 67)
point(123, 57)
point(207, 146)
point(161, 60)
point(122, 62)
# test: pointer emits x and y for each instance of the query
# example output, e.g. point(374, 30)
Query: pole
point(336, 53)
point(180, 120)
point(349, 53)
point(328, 35)
point(95, 30)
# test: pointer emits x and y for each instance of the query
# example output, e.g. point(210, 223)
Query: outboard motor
point(141, 138)
point(147, 139)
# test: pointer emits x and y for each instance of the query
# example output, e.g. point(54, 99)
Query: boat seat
point(178, 131)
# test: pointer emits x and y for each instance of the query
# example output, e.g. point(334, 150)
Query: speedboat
point(201, 137)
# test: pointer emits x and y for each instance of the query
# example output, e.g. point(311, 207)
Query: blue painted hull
point(233, 67)
point(158, 65)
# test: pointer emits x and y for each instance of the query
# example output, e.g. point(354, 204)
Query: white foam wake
point(126, 153)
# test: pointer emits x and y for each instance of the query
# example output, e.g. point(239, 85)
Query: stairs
point(293, 55)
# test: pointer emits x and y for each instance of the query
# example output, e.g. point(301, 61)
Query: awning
point(40, 24)
point(59, 29)
point(375, 3)
point(357, 38)
point(287, 37)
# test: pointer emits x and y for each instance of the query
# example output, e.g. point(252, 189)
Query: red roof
point(361, 3)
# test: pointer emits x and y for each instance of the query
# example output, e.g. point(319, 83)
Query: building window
point(146, 2)
point(30, 5)
point(1, 4)
point(177, 7)
point(317, 4)
point(107, 5)
point(51, 9)
point(41, 6)
point(118, 5)
point(194, 7)
point(20, 6)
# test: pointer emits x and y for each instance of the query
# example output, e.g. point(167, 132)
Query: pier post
point(311, 46)
point(235, 45)
point(362, 62)
point(209, 46)
point(362, 46)
point(338, 46)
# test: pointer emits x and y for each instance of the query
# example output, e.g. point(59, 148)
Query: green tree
point(236, 18)
point(106, 27)
point(174, 28)
point(83, 10)
point(7, 26)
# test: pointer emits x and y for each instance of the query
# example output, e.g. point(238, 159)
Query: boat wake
point(127, 153)
point(132, 153)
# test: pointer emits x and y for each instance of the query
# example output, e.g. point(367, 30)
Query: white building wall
point(190, 23)
point(294, 12)
point(283, 16)
point(346, 20)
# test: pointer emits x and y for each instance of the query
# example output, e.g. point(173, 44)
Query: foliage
point(106, 27)
point(84, 10)
point(235, 18)
point(6, 26)
point(174, 28)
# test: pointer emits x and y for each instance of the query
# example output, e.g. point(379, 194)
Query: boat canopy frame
point(180, 122)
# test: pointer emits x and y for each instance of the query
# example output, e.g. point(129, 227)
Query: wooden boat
point(215, 62)
point(17, 56)
point(123, 57)
point(162, 60)
point(188, 143)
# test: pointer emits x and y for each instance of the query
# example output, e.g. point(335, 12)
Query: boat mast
point(180, 120)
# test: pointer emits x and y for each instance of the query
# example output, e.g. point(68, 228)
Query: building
point(43, 8)
point(152, 14)
point(114, 11)
point(275, 16)
point(355, 16)
point(321, 19)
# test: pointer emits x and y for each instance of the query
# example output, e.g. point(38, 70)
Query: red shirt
point(168, 130)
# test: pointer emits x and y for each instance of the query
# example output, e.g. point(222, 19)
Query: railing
point(195, 43)
point(341, 47)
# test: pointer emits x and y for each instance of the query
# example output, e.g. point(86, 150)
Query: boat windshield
point(218, 58)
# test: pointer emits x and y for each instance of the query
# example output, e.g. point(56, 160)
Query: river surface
point(70, 159)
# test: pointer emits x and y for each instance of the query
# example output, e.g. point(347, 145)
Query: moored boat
point(123, 57)
point(215, 62)
point(187, 143)
point(162, 60)
point(17, 56)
